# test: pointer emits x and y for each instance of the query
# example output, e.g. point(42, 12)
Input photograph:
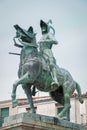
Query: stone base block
point(28, 121)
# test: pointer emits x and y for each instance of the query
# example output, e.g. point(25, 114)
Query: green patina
point(38, 69)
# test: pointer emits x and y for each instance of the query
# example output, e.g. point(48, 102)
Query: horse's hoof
point(81, 101)
point(14, 104)
point(32, 111)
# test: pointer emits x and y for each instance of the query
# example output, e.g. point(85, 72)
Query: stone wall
point(27, 121)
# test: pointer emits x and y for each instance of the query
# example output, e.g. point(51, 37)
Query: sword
point(12, 53)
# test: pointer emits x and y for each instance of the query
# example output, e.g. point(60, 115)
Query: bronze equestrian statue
point(39, 69)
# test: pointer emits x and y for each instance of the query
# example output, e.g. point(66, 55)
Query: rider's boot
point(55, 82)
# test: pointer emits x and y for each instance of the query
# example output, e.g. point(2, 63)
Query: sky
point(69, 19)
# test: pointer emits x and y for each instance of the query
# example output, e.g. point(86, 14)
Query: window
point(4, 112)
point(59, 110)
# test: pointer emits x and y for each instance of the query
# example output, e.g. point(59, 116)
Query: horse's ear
point(30, 30)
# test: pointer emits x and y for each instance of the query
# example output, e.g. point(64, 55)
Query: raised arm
point(48, 38)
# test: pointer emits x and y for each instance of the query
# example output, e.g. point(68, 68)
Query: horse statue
point(34, 71)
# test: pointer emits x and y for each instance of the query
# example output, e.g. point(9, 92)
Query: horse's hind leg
point(79, 93)
point(66, 107)
point(27, 89)
point(68, 113)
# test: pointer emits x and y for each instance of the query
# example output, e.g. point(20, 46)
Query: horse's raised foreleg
point(28, 93)
point(14, 101)
point(24, 79)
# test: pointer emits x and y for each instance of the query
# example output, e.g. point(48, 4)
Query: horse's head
point(25, 35)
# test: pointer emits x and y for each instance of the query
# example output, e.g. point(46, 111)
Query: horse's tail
point(58, 95)
point(78, 88)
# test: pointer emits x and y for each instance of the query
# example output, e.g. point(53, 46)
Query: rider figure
point(45, 43)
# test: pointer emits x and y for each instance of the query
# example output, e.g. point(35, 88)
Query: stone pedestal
point(28, 121)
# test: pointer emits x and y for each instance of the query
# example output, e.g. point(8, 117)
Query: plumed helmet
point(44, 26)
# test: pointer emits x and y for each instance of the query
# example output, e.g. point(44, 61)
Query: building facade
point(46, 106)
